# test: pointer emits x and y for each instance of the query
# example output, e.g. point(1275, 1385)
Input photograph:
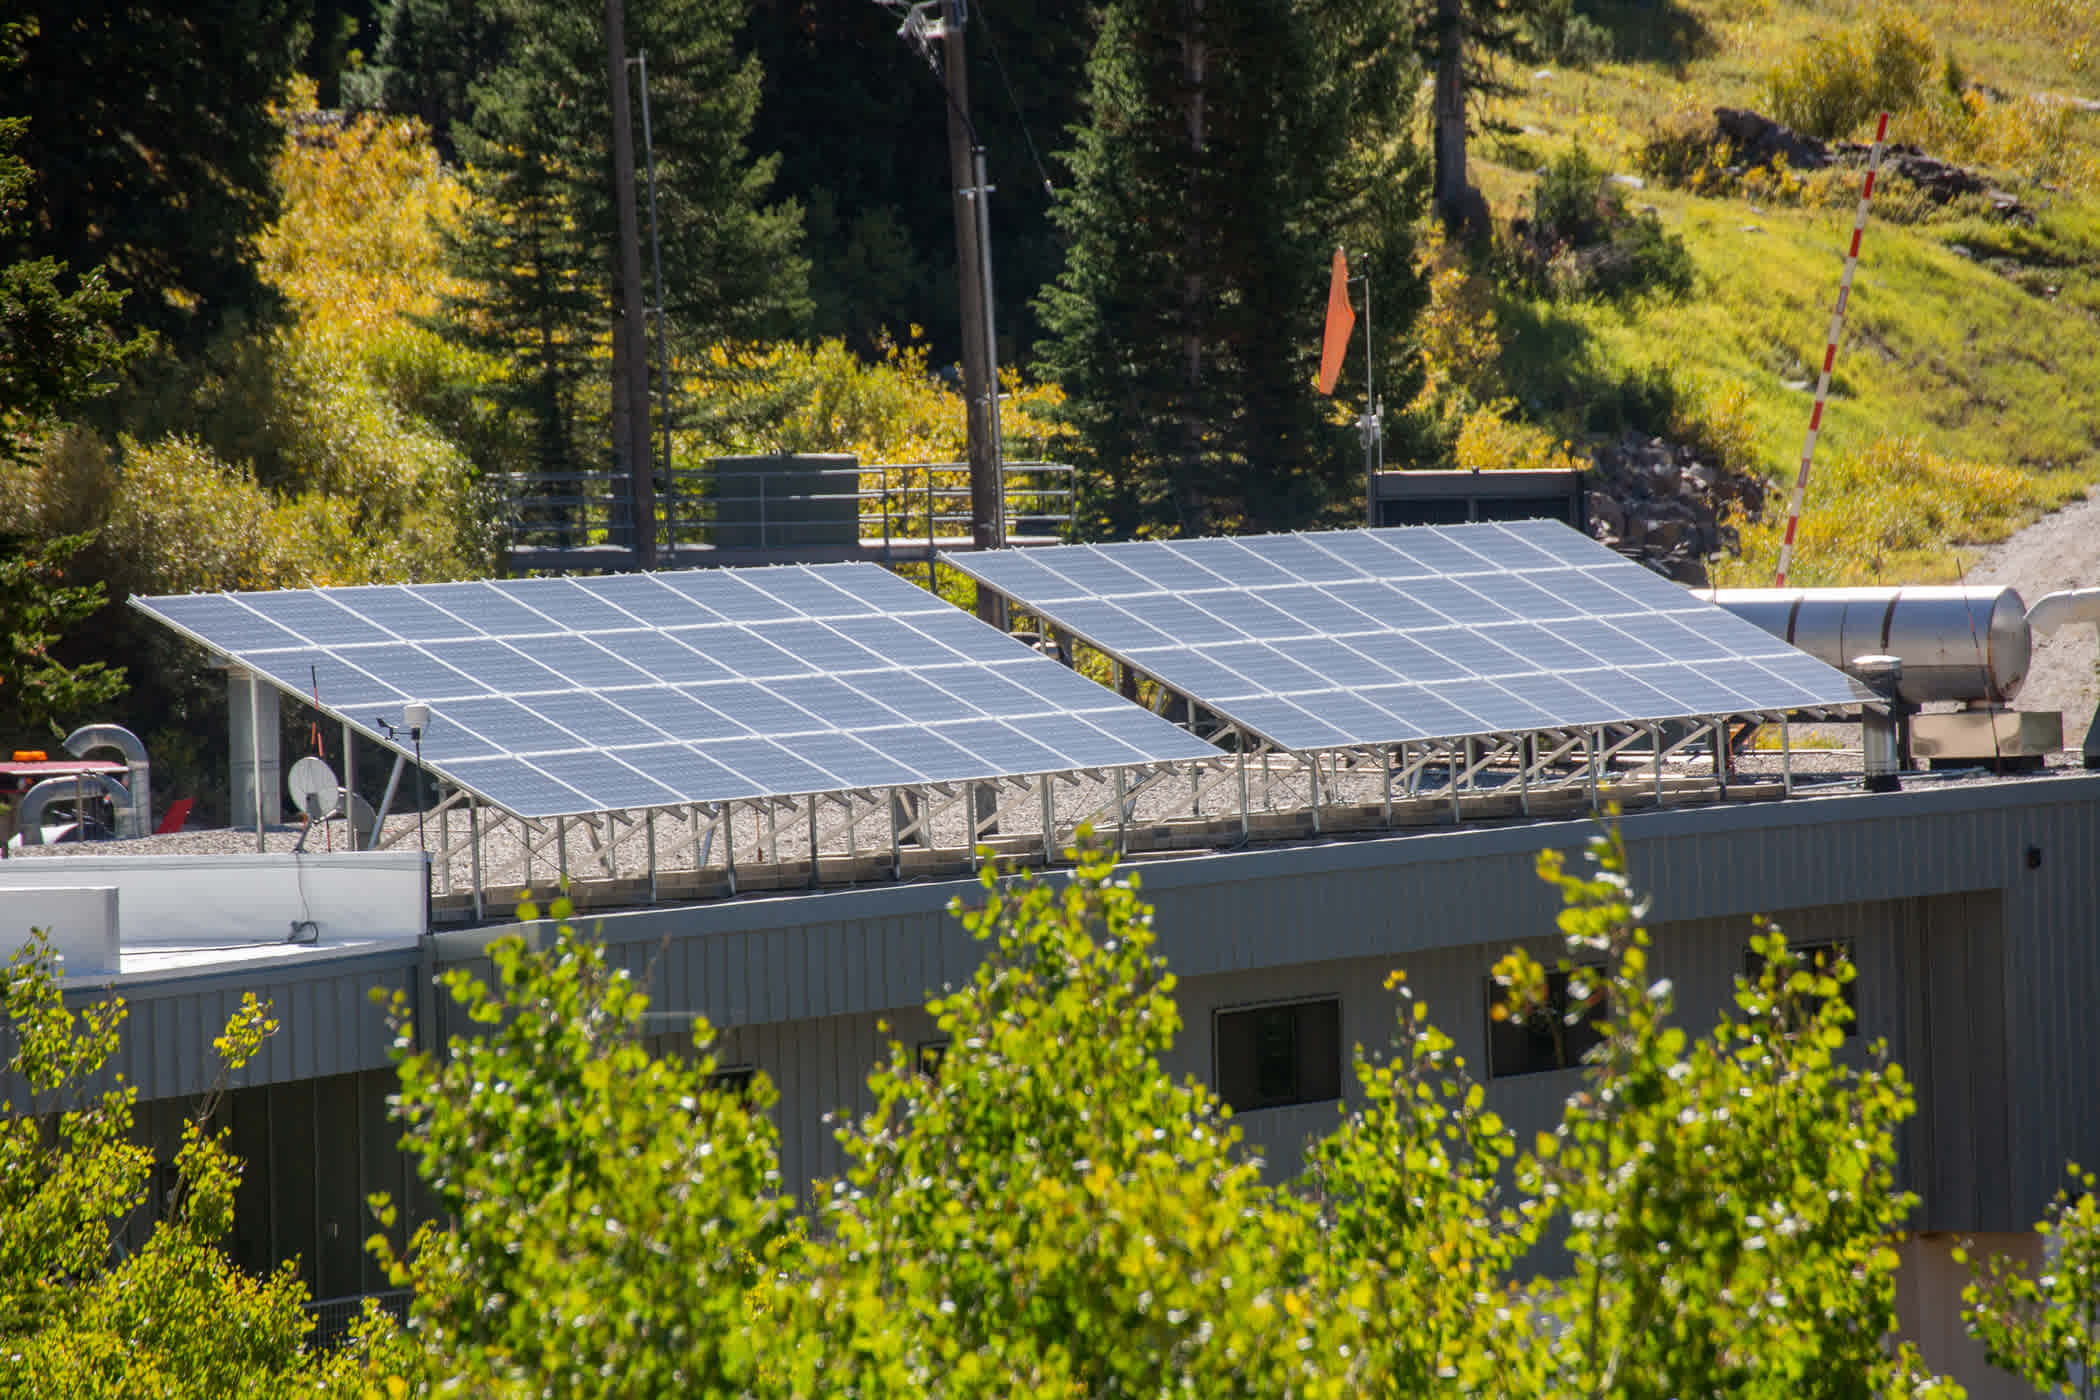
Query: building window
point(735, 1080)
point(1541, 1040)
point(1270, 1056)
point(930, 1056)
point(1815, 957)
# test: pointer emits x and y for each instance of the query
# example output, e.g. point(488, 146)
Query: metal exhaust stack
point(1880, 724)
point(135, 804)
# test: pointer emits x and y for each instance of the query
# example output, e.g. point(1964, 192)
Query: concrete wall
point(80, 920)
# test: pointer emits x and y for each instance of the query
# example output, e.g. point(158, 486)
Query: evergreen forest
point(293, 292)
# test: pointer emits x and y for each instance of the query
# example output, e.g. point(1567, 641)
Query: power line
point(1013, 101)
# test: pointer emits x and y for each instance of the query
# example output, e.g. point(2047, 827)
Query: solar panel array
point(1315, 641)
point(559, 696)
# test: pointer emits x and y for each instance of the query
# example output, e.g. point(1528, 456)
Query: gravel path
point(2056, 552)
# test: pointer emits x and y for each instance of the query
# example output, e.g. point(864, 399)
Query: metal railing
point(333, 1317)
point(885, 505)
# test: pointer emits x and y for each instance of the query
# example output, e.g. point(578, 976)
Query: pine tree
point(151, 137)
point(1229, 146)
point(429, 56)
point(540, 242)
point(1462, 42)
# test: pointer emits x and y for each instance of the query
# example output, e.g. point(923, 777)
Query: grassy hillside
point(1967, 391)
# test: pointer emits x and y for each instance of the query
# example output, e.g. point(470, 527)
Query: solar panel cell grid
point(1162, 567)
point(808, 592)
point(1083, 743)
point(1240, 567)
point(404, 614)
point(609, 784)
point(1349, 712)
point(1005, 748)
point(515, 784)
point(215, 614)
point(689, 773)
point(1370, 554)
point(593, 719)
point(696, 672)
point(721, 592)
point(489, 611)
point(501, 667)
point(1451, 630)
point(666, 656)
point(843, 754)
point(505, 723)
point(679, 714)
point(833, 701)
point(822, 649)
point(757, 707)
point(315, 619)
point(642, 597)
point(1146, 733)
point(1193, 672)
point(567, 604)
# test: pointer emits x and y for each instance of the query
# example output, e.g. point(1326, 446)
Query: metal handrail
point(892, 501)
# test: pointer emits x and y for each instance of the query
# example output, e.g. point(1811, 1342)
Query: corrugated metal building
point(1969, 907)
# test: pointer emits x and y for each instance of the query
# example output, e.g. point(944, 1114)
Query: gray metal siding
point(853, 955)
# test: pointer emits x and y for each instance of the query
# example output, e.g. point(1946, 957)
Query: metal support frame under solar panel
point(1313, 633)
point(592, 691)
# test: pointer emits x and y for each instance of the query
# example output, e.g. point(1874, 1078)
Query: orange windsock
point(1341, 320)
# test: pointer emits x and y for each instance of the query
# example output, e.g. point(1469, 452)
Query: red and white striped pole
point(1830, 350)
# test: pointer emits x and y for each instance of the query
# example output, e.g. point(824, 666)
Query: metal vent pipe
point(135, 807)
point(30, 816)
point(1956, 643)
point(1880, 725)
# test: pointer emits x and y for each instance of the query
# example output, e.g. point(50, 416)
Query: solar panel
point(1386, 635)
point(559, 697)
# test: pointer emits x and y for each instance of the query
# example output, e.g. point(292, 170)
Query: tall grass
point(1895, 511)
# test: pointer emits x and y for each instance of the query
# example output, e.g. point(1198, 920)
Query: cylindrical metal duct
point(135, 810)
point(30, 815)
point(1879, 741)
point(1956, 643)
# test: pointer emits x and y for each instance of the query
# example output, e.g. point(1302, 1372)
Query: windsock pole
point(1830, 350)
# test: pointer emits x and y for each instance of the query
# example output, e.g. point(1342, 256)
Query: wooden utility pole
point(973, 279)
point(1448, 184)
point(630, 344)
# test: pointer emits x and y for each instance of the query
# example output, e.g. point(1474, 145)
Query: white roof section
point(124, 917)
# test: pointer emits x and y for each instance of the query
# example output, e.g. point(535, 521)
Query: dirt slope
point(2058, 551)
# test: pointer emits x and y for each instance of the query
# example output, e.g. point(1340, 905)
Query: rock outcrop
point(1656, 501)
point(1756, 140)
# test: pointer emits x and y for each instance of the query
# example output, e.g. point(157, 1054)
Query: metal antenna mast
point(630, 343)
point(656, 258)
point(1373, 421)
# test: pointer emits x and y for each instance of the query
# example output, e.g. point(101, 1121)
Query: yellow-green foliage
point(824, 398)
point(1891, 512)
point(1489, 440)
point(358, 247)
point(1835, 82)
point(888, 411)
point(174, 518)
point(2027, 135)
point(367, 487)
point(1456, 331)
point(1717, 415)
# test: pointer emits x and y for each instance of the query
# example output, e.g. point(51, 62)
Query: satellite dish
point(314, 788)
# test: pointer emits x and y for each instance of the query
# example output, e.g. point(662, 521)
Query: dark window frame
point(733, 1079)
point(1309, 1069)
point(1540, 1051)
point(929, 1055)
